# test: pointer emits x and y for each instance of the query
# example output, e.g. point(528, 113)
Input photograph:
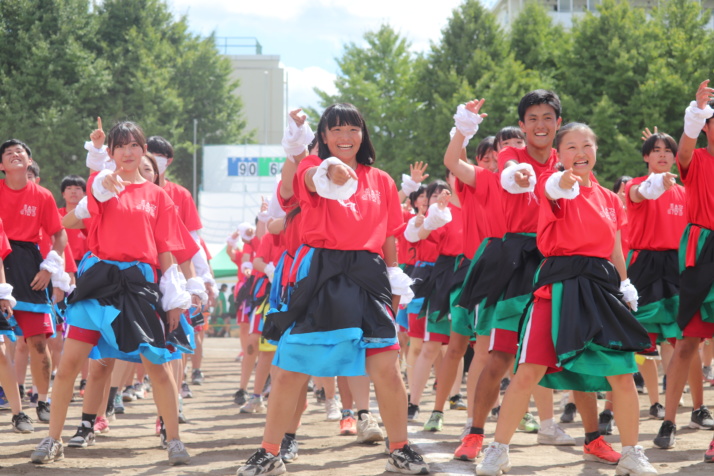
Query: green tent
point(222, 265)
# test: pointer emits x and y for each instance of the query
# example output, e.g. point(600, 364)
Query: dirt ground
point(219, 439)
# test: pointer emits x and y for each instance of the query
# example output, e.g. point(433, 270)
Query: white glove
point(401, 284)
point(411, 232)
point(232, 242)
point(196, 287)
point(274, 209)
point(173, 290)
point(466, 121)
point(695, 118)
point(246, 265)
point(508, 180)
point(409, 186)
point(98, 159)
point(6, 293)
point(53, 263)
point(296, 139)
point(629, 293)
point(436, 217)
point(552, 187)
point(98, 190)
point(264, 216)
point(326, 188)
point(269, 271)
point(62, 281)
point(81, 211)
point(653, 187)
point(243, 231)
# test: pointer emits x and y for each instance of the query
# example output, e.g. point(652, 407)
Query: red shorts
point(83, 335)
point(537, 347)
point(60, 329)
point(198, 329)
point(371, 352)
point(34, 323)
point(653, 341)
point(401, 329)
point(698, 328)
point(241, 317)
point(434, 337)
point(254, 322)
point(417, 327)
point(503, 341)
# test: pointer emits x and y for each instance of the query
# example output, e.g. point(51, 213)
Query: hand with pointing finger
point(669, 180)
point(97, 136)
point(297, 117)
point(568, 180)
point(339, 174)
point(114, 183)
point(522, 178)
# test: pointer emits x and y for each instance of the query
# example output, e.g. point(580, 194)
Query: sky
point(309, 34)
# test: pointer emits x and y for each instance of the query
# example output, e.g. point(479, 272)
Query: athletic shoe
point(406, 461)
point(332, 413)
point(702, 419)
point(348, 426)
point(158, 426)
point(639, 382)
point(709, 455)
point(435, 422)
point(320, 395)
point(186, 391)
point(162, 436)
point(22, 423)
point(178, 453)
point(505, 382)
point(495, 460)
point(288, 449)
point(139, 390)
point(83, 438)
point(554, 435)
point(657, 411)
point(412, 412)
point(101, 425)
point(128, 394)
point(706, 373)
point(240, 397)
point(33, 400)
point(469, 448)
point(600, 450)
point(82, 387)
point(466, 429)
point(43, 412)
point(196, 377)
point(262, 463)
point(569, 413)
point(48, 451)
point(494, 413)
point(528, 424)
point(635, 463)
point(605, 422)
point(118, 404)
point(457, 403)
point(254, 405)
point(182, 418)
point(368, 430)
point(666, 436)
point(601, 395)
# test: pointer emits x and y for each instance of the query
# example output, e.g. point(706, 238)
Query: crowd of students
point(519, 259)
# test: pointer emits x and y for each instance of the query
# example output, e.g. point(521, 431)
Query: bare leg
point(41, 363)
point(8, 382)
point(478, 362)
point(165, 395)
point(587, 407)
point(414, 351)
point(22, 356)
point(677, 374)
point(250, 355)
point(283, 403)
point(648, 370)
point(429, 351)
point(448, 373)
point(626, 407)
point(488, 388)
point(75, 353)
point(262, 370)
point(359, 386)
point(391, 393)
point(515, 401)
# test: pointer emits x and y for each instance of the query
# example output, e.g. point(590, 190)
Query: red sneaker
point(348, 426)
point(470, 448)
point(709, 455)
point(600, 450)
point(101, 425)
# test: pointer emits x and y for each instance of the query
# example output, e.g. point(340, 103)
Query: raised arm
point(695, 118)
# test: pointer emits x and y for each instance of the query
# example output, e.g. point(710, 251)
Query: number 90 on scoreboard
point(255, 166)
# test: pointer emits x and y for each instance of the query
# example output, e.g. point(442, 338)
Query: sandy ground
point(219, 439)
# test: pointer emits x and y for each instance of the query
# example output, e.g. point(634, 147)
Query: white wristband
point(409, 185)
point(296, 139)
point(53, 263)
point(243, 231)
point(6, 294)
point(232, 242)
point(401, 284)
point(81, 211)
point(62, 281)
point(196, 287)
point(246, 265)
point(328, 189)
point(263, 216)
point(466, 121)
point(653, 187)
point(98, 190)
point(508, 178)
point(173, 292)
point(452, 133)
point(269, 271)
point(411, 232)
point(274, 209)
point(554, 191)
point(695, 118)
point(629, 293)
point(437, 217)
point(98, 159)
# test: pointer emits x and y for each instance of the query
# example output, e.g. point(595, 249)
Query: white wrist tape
point(508, 178)
point(53, 263)
point(243, 231)
point(452, 133)
point(173, 290)
point(269, 271)
point(98, 190)
point(81, 211)
point(552, 188)
point(62, 281)
point(232, 242)
point(328, 189)
point(263, 216)
point(246, 265)
point(213, 288)
point(401, 284)
point(409, 186)
point(695, 118)
point(411, 232)
point(629, 293)
point(274, 209)
point(296, 139)
point(653, 187)
point(437, 217)
point(98, 159)
point(6, 293)
point(196, 287)
point(466, 121)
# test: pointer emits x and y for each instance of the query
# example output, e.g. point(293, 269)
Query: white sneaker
point(467, 428)
point(634, 462)
point(552, 434)
point(333, 413)
point(368, 430)
point(495, 460)
point(254, 405)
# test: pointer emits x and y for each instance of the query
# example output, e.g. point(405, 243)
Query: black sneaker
point(505, 382)
point(43, 412)
point(288, 449)
point(262, 463)
point(657, 411)
point(605, 422)
point(494, 413)
point(639, 382)
point(239, 398)
point(84, 436)
point(702, 419)
point(569, 413)
point(320, 395)
point(665, 439)
point(412, 412)
point(22, 423)
point(406, 461)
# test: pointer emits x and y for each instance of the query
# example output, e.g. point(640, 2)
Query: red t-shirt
point(292, 229)
point(4, 243)
point(24, 212)
point(426, 250)
point(449, 238)
point(137, 226)
point(185, 205)
point(362, 222)
point(697, 180)
point(656, 224)
point(76, 239)
point(521, 209)
point(585, 225)
point(406, 253)
point(271, 248)
point(481, 209)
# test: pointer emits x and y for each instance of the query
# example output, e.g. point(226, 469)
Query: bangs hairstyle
point(487, 145)
point(537, 97)
point(154, 165)
point(570, 127)
point(11, 142)
point(73, 181)
point(620, 182)
point(344, 114)
point(34, 167)
point(649, 144)
point(124, 133)
point(436, 187)
point(160, 146)
point(507, 133)
point(414, 196)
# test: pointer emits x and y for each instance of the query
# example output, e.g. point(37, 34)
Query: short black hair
point(344, 114)
point(485, 146)
point(620, 182)
point(509, 132)
point(436, 187)
point(124, 133)
point(34, 168)
point(11, 142)
point(415, 195)
point(73, 181)
point(649, 144)
point(537, 97)
point(160, 146)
